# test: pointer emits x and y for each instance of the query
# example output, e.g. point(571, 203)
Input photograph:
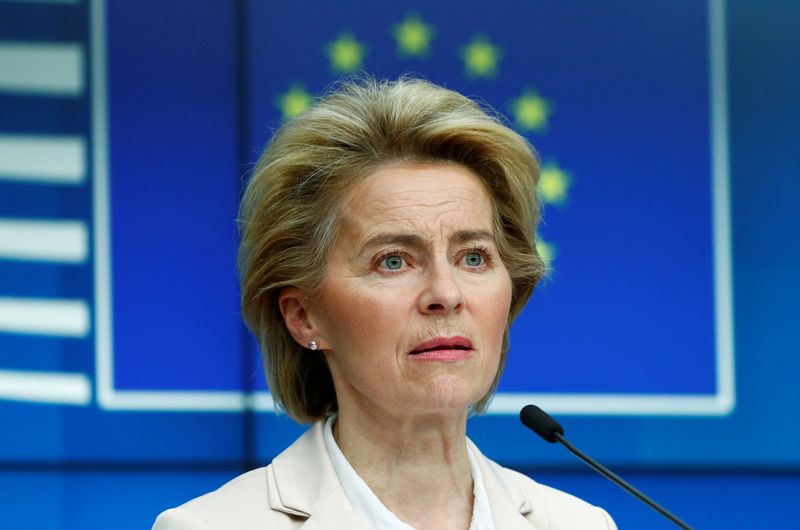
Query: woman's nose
point(442, 293)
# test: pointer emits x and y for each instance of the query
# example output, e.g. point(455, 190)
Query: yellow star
point(531, 111)
point(294, 101)
point(547, 251)
point(554, 184)
point(480, 57)
point(346, 53)
point(413, 37)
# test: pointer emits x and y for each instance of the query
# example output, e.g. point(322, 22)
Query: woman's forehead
point(442, 198)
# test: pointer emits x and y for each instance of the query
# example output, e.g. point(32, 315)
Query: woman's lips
point(443, 349)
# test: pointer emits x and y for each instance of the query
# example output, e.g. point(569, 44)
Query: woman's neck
point(417, 465)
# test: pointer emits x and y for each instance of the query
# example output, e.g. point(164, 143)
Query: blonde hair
point(290, 212)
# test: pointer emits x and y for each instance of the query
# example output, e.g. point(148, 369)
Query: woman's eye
point(474, 259)
point(393, 263)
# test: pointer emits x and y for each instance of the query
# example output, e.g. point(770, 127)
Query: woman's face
point(415, 301)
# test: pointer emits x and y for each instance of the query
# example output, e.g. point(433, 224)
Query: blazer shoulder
point(561, 510)
point(179, 519)
point(240, 503)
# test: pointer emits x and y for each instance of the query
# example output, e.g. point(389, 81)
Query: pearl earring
point(312, 345)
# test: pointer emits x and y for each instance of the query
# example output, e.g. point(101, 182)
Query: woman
point(387, 245)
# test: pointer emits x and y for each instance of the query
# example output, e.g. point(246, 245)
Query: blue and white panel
point(636, 315)
point(126, 129)
point(47, 218)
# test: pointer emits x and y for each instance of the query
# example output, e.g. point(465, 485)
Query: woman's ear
point(294, 305)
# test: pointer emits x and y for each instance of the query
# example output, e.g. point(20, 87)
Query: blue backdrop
point(663, 337)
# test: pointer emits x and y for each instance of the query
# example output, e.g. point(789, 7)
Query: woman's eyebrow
point(463, 236)
point(414, 240)
point(409, 240)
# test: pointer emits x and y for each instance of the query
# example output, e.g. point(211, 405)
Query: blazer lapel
point(303, 483)
point(334, 513)
point(511, 508)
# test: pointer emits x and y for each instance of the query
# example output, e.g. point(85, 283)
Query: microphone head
point(540, 422)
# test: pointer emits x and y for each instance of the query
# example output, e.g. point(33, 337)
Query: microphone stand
point(613, 477)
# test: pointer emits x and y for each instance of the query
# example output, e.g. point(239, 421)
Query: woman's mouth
point(443, 349)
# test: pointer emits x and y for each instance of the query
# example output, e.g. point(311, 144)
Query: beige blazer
point(300, 489)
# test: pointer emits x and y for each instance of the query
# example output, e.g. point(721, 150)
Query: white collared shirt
point(371, 510)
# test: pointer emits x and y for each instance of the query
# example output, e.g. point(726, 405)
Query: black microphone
point(545, 426)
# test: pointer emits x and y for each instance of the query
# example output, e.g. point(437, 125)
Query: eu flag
point(623, 103)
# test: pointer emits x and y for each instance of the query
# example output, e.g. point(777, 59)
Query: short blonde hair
point(290, 212)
